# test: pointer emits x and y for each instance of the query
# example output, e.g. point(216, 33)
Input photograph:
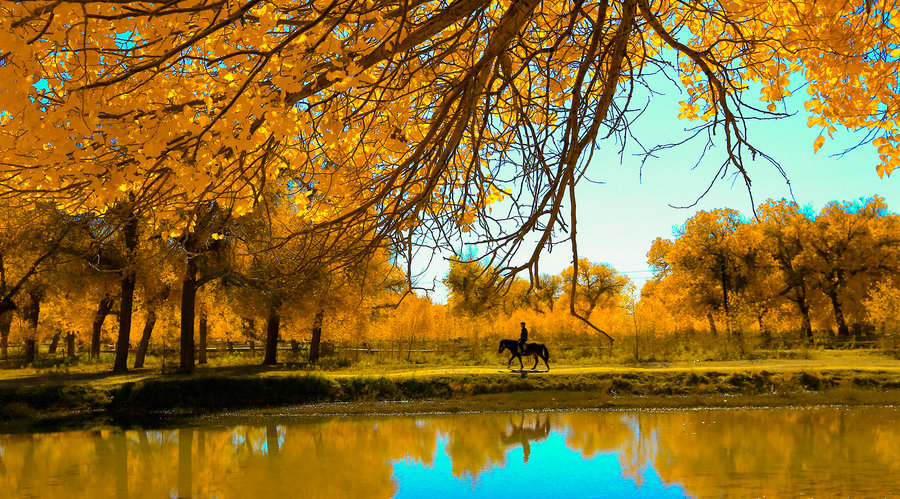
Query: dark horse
point(536, 350)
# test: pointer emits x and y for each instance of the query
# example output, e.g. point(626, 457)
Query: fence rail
point(470, 347)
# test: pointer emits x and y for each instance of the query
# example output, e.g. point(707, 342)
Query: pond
point(820, 452)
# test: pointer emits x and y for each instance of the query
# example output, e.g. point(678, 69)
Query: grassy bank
point(145, 400)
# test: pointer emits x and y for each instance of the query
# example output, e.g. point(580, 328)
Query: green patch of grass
point(87, 390)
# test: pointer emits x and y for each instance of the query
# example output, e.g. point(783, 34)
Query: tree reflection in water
point(815, 452)
point(520, 434)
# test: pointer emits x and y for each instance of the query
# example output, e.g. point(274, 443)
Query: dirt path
point(93, 375)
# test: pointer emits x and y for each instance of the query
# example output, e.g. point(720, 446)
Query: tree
point(276, 266)
point(848, 241)
point(153, 300)
point(707, 259)
point(475, 289)
point(601, 283)
point(412, 119)
point(30, 242)
point(284, 260)
point(109, 244)
point(786, 229)
point(204, 253)
point(127, 283)
point(545, 292)
point(158, 267)
point(883, 306)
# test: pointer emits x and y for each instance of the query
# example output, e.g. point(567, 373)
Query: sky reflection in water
point(552, 470)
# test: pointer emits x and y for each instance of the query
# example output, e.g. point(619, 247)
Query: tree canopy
point(408, 120)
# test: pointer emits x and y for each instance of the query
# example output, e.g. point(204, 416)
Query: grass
point(83, 395)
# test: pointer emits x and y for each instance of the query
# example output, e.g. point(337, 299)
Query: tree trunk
point(103, 309)
point(6, 318)
point(145, 340)
point(712, 324)
point(763, 330)
point(70, 345)
point(188, 296)
point(185, 468)
point(316, 336)
point(129, 234)
point(32, 314)
point(54, 343)
point(272, 440)
point(125, 311)
point(120, 463)
point(724, 278)
point(202, 332)
point(806, 324)
point(272, 326)
point(30, 350)
point(843, 330)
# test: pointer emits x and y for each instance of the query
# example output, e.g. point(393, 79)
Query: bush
point(213, 393)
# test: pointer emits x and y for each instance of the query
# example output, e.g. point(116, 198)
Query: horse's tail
point(546, 352)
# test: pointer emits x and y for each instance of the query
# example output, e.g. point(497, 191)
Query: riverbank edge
point(168, 401)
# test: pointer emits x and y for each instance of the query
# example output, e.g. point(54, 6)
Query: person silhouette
point(523, 338)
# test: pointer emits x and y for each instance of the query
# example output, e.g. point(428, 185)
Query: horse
point(536, 350)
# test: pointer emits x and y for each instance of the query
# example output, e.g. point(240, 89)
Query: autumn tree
point(546, 291)
point(849, 241)
point(474, 289)
point(883, 306)
point(109, 246)
point(600, 284)
point(154, 295)
point(350, 285)
point(786, 230)
point(285, 261)
point(784, 258)
point(276, 266)
point(30, 241)
point(706, 258)
point(753, 299)
point(158, 269)
point(204, 254)
point(413, 119)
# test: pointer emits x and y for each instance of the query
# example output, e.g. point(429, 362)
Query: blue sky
point(619, 219)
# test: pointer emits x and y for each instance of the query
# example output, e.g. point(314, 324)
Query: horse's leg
point(521, 365)
point(535, 361)
point(510, 360)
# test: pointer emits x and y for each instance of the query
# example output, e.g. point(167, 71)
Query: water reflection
point(808, 452)
point(523, 434)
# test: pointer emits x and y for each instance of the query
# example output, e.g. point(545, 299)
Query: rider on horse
point(523, 338)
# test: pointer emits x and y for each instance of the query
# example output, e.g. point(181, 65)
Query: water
point(816, 452)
